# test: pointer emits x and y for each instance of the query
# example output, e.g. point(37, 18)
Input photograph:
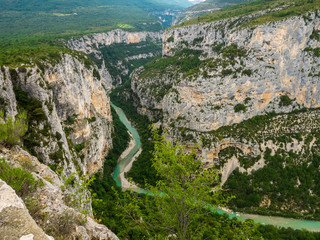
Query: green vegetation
point(60, 17)
point(290, 176)
point(314, 51)
point(219, 226)
point(170, 39)
point(21, 180)
point(101, 187)
point(285, 101)
point(281, 175)
point(12, 129)
point(38, 53)
point(35, 115)
point(80, 196)
point(178, 201)
point(289, 8)
point(211, 4)
point(185, 61)
point(119, 52)
point(79, 147)
point(240, 108)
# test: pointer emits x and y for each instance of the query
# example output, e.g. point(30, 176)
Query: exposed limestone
point(92, 43)
point(15, 220)
point(66, 90)
point(96, 44)
point(51, 199)
point(275, 60)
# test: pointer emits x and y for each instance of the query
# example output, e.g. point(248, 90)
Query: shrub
point(247, 100)
point(247, 72)
point(58, 155)
point(197, 40)
point(11, 130)
point(240, 107)
point(19, 179)
point(91, 120)
point(79, 147)
point(285, 101)
point(315, 35)
point(170, 39)
point(69, 121)
point(96, 74)
point(58, 136)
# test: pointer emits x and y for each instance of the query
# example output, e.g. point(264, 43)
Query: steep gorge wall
point(66, 91)
point(142, 47)
point(269, 68)
point(278, 58)
point(92, 43)
point(69, 129)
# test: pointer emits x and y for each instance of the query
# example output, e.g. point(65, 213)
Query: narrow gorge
point(241, 86)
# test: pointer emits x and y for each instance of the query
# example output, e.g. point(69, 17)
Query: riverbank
point(125, 183)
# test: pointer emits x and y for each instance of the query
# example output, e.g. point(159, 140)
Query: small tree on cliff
point(176, 205)
point(12, 129)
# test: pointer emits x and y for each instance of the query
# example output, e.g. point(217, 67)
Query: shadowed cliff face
point(69, 129)
point(74, 106)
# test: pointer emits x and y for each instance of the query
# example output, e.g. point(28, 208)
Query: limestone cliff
point(118, 52)
point(69, 129)
point(269, 61)
point(250, 95)
point(74, 106)
point(48, 207)
point(92, 43)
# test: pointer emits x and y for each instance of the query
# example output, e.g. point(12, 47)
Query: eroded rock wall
point(275, 59)
point(76, 108)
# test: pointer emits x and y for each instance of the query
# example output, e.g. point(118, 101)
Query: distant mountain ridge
point(206, 7)
point(38, 18)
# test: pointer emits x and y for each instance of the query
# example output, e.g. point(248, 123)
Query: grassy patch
point(19, 179)
point(290, 8)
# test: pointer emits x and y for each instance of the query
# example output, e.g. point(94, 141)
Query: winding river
point(125, 163)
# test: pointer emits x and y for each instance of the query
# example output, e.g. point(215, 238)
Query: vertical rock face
point(69, 129)
point(246, 66)
point(236, 73)
point(75, 106)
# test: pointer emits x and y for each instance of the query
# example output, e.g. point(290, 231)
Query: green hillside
point(30, 29)
point(38, 18)
point(210, 4)
point(288, 8)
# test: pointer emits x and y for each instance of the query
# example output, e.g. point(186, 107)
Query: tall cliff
point(69, 129)
point(68, 103)
point(263, 63)
point(118, 52)
point(249, 94)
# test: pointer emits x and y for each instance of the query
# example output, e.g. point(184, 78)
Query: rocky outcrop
point(59, 214)
point(15, 220)
point(242, 72)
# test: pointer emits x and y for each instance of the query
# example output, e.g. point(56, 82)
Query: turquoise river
point(277, 221)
